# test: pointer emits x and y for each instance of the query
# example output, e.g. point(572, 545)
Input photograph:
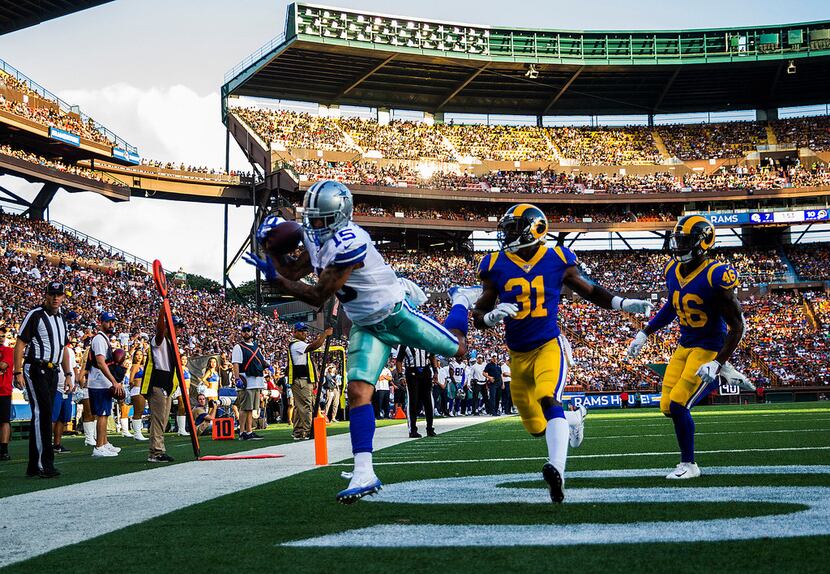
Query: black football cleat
point(554, 480)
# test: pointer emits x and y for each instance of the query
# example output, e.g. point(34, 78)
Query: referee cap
point(55, 288)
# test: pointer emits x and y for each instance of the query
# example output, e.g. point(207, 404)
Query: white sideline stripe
point(812, 521)
point(157, 491)
point(387, 461)
point(668, 433)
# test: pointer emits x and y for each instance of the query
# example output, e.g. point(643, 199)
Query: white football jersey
point(459, 371)
point(372, 291)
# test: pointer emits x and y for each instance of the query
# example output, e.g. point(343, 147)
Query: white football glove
point(708, 372)
point(500, 313)
point(637, 345)
point(637, 306)
point(735, 377)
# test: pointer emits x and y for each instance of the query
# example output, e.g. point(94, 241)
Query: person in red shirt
point(6, 372)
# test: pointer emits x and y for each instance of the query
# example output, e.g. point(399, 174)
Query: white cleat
point(359, 486)
point(100, 451)
point(466, 296)
point(576, 432)
point(684, 471)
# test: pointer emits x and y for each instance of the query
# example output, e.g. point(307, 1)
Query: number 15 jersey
point(535, 287)
point(372, 290)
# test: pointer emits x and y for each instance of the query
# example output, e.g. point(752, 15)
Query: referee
point(43, 340)
point(421, 369)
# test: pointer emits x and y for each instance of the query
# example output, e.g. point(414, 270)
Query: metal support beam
point(562, 91)
point(14, 198)
point(774, 83)
point(666, 89)
point(41, 202)
point(364, 77)
point(800, 237)
point(624, 241)
point(461, 86)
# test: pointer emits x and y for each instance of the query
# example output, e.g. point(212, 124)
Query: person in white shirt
point(479, 385)
point(99, 381)
point(381, 399)
point(506, 399)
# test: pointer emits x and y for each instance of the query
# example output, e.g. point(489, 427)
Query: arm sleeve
point(484, 266)
point(664, 316)
point(567, 256)
point(27, 329)
point(725, 277)
point(348, 255)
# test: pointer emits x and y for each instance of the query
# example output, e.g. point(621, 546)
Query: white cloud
point(168, 124)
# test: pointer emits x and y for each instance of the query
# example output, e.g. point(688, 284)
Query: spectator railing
point(128, 257)
point(65, 107)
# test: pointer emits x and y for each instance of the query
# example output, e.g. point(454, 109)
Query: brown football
point(284, 238)
point(118, 393)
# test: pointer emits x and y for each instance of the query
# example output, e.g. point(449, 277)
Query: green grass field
point(245, 531)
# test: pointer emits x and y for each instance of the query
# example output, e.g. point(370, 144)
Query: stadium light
point(532, 72)
point(791, 68)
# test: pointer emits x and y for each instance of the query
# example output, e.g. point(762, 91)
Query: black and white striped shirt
point(45, 335)
point(414, 358)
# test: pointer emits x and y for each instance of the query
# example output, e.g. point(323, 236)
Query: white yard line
point(388, 461)
point(163, 490)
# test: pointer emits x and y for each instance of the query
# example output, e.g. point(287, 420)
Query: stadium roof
point(20, 14)
point(338, 56)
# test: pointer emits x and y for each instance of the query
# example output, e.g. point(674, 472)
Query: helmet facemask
point(515, 233)
point(332, 210)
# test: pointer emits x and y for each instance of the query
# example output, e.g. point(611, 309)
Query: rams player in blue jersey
point(701, 296)
point(526, 277)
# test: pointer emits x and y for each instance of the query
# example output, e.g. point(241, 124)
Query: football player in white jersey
point(347, 265)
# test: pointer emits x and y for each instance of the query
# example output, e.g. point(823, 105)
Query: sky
point(150, 71)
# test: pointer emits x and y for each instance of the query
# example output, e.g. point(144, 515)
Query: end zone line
point(575, 456)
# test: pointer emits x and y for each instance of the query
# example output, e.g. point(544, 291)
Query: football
point(283, 239)
point(117, 393)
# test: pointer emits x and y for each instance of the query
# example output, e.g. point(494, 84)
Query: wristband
point(67, 374)
point(18, 373)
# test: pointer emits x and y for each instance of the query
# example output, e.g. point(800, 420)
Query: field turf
point(245, 531)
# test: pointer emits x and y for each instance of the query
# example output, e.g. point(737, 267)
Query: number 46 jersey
point(535, 287)
point(693, 299)
point(372, 290)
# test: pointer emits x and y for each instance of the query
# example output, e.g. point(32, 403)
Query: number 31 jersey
point(693, 298)
point(535, 287)
point(372, 290)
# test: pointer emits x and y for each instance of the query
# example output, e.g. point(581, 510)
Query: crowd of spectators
point(606, 145)
point(727, 178)
point(501, 143)
point(788, 342)
point(629, 145)
point(72, 168)
point(492, 214)
point(295, 130)
point(718, 140)
point(812, 132)
point(47, 113)
point(811, 261)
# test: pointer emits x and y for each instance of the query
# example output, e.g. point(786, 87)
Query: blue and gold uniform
point(538, 362)
point(692, 301)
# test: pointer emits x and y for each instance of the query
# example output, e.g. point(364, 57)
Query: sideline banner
point(612, 400)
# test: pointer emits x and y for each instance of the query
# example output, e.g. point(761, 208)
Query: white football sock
point(573, 418)
point(363, 463)
point(556, 435)
point(89, 430)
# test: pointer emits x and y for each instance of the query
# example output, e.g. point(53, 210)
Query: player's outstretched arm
point(485, 304)
point(331, 280)
point(664, 316)
point(294, 268)
point(598, 295)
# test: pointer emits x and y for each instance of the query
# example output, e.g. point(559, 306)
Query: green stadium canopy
point(338, 56)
